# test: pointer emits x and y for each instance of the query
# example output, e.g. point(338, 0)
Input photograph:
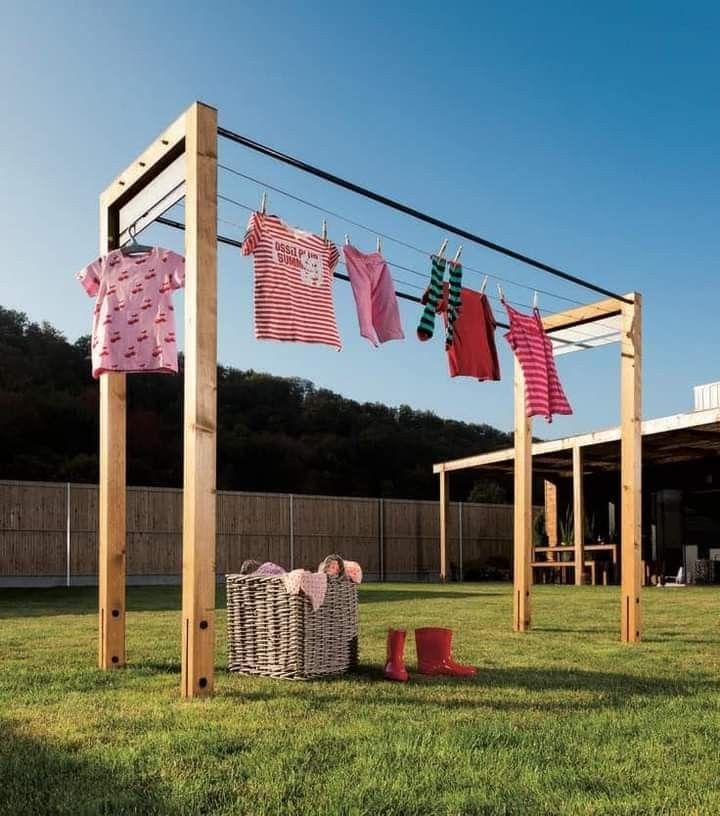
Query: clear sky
point(585, 135)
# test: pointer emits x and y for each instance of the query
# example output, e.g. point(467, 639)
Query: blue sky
point(583, 135)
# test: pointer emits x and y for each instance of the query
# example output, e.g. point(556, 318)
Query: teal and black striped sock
point(426, 326)
point(455, 275)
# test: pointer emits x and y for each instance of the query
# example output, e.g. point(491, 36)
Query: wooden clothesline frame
point(194, 137)
point(630, 311)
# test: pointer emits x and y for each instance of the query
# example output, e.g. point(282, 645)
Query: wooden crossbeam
point(581, 315)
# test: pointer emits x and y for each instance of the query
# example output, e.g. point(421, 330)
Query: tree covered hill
point(274, 434)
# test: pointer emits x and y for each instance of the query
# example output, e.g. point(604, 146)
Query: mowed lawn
point(562, 720)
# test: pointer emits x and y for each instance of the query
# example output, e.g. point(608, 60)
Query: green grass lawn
point(562, 720)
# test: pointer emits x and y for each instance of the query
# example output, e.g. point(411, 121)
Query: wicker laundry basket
point(274, 634)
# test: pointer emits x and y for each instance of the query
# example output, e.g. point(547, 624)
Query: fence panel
point(34, 518)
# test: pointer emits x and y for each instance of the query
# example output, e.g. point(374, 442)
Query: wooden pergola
point(185, 155)
point(629, 311)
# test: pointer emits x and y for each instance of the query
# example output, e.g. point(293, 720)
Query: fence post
point(67, 534)
point(292, 533)
point(381, 538)
point(460, 539)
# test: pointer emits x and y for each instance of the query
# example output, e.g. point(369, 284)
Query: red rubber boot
point(434, 647)
point(395, 665)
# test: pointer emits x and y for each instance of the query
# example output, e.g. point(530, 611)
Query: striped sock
point(455, 275)
point(426, 326)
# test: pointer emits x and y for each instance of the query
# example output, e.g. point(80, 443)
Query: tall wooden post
point(111, 493)
point(578, 513)
point(522, 570)
point(444, 520)
point(631, 469)
point(198, 597)
point(551, 516)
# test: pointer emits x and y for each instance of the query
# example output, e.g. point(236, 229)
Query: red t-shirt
point(473, 352)
point(293, 282)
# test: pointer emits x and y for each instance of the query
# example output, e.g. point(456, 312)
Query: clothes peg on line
point(378, 244)
point(347, 239)
point(443, 247)
point(484, 284)
point(263, 203)
point(501, 293)
point(535, 300)
point(324, 230)
point(457, 254)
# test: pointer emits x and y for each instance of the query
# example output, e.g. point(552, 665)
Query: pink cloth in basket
point(354, 572)
point(269, 568)
point(313, 584)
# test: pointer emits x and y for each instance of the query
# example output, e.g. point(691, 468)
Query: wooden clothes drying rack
point(192, 139)
point(629, 309)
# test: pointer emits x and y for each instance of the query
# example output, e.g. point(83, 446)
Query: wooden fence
point(48, 533)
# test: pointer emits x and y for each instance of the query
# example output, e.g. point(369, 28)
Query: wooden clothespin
point(324, 230)
point(378, 244)
point(443, 247)
point(457, 254)
point(484, 284)
point(263, 203)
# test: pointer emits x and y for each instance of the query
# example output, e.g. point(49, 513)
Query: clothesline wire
point(384, 235)
point(414, 213)
point(577, 330)
point(224, 239)
point(154, 206)
point(417, 249)
point(248, 208)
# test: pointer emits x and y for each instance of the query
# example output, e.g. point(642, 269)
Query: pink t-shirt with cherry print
point(134, 320)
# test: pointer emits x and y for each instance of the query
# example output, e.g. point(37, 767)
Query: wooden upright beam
point(551, 516)
point(522, 571)
point(444, 521)
point(111, 494)
point(578, 513)
point(631, 469)
point(113, 411)
point(198, 597)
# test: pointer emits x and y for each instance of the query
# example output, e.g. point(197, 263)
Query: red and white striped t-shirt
point(544, 396)
point(293, 282)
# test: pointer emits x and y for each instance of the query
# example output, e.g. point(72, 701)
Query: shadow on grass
point(43, 778)
point(610, 691)
point(55, 601)
point(390, 595)
point(37, 603)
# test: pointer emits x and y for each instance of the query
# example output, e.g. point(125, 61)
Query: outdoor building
point(681, 491)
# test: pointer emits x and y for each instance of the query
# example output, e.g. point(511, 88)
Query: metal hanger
point(134, 248)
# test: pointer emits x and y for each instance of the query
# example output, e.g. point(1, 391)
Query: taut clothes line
point(411, 211)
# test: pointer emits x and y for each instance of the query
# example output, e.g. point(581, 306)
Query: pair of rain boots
point(434, 654)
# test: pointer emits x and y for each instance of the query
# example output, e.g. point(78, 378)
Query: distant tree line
point(274, 434)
